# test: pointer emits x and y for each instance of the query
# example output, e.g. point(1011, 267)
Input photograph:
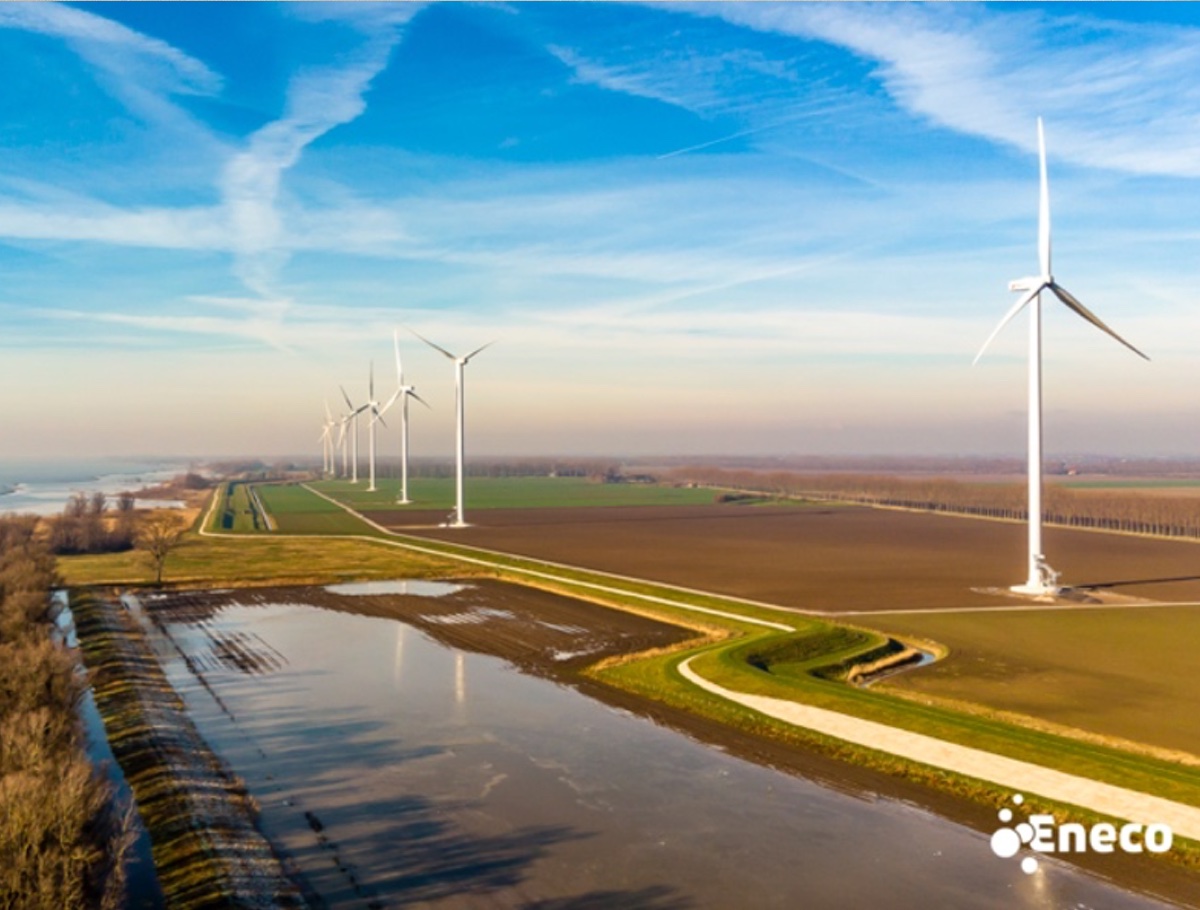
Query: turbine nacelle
point(1032, 286)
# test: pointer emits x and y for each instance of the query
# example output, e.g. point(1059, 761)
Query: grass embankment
point(206, 849)
point(1127, 674)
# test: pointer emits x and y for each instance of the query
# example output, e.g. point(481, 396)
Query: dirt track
point(828, 559)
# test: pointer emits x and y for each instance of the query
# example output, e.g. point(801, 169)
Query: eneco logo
point(1042, 835)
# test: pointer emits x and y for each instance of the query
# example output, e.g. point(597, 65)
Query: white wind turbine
point(403, 392)
point(343, 422)
point(327, 442)
point(352, 417)
point(459, 363)
point(372, 405)
point(1042, 579)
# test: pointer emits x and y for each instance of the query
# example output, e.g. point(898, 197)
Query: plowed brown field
point(825, 559)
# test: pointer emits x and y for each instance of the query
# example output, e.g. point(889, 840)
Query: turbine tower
point(459, 363)
point(376, 417)
point(403, 392)
point(1042, 579)
point(343, 422)
point(327, 442)
point(353, 418)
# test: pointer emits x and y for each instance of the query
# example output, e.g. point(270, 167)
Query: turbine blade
point(1072, 303)
point(1016, 308)
point(420, 399)
point(432, 345)
point(391, 401)
point(349, 404)
point(371, 384)
point(477, 350)
point(1043, 205)
point(396, 348)
point(328, 413)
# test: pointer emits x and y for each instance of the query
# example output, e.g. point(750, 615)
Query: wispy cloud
point(1117, 96)
point(318, 101)
point(97, 222)
point(140, 71)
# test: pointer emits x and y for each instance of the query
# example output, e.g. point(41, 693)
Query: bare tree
point(159, 534)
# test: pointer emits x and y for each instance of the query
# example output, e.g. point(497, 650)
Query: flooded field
point(395, 770)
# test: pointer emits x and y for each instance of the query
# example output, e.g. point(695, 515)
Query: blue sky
point(711, 228)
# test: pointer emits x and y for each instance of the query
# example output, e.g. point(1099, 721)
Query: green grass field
point(235, 511)
point(511, 493)
point(297, 511)
point(208, 562)
point(1127, 673)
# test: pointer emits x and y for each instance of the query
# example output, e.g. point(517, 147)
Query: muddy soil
point(541, 633)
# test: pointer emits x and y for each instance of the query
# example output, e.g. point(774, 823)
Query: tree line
point(1112, 510)
point(87, 525)
point(61, 840)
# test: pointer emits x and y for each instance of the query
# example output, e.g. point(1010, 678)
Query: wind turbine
point(343, 422)
point(403, 392)
point(353, 418)
point(459, 363)
point(327, 442)
point(1042, 579)
point(376, 417)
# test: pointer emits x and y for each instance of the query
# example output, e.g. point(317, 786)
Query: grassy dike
point(737, 635)
point(206, 849)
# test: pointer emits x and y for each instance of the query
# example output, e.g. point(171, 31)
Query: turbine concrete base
point(1035, 589)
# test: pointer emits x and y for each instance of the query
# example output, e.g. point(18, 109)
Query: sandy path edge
point(1021, 777)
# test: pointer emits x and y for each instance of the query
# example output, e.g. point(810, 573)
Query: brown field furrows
point(825, 559)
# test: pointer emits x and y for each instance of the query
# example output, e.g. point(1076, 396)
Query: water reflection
point(413, 587)
point(460, 679)
point(533, 795)
point(399, 659)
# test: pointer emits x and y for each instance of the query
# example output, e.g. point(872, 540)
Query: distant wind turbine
point(327, 442)
point(343, 422)
point(403, 393)
point(1042, 579)
point(459, 390)
point(372, 405)
point(352, 417)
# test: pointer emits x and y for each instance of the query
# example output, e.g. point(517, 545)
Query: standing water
point(392, 770)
